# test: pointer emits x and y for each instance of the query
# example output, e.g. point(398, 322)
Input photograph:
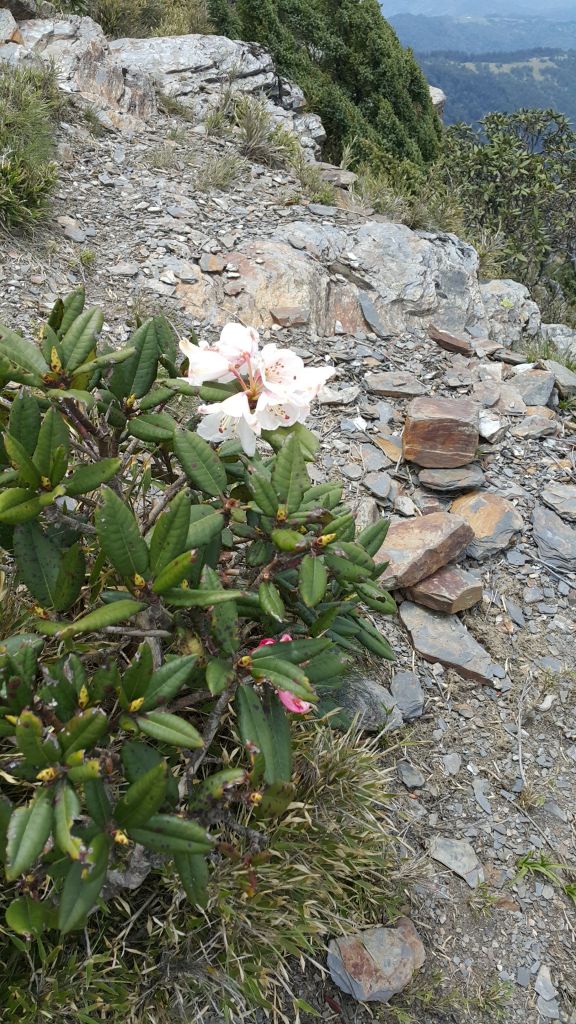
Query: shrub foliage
point(152, 566)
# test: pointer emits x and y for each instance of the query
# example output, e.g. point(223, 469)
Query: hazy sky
point(469, 8)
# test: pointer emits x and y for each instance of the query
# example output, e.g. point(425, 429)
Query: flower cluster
point(275, 388)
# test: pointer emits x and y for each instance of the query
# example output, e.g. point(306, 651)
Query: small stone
point(395, 384)
point(565, 379)
point(450, 342)
point(479, 786)
point(535, 386)
point(555, 540)
point(465, 478)
point(417, 548)
point(376, 964)
point(493, 519)
point(408, 694)
point(391, 446)
point(533, 427)
point(562, 499)
point(410, 776)
point(352, 471)
point(367, 513)
point(523, 977)
point(441, 432)
point(459, 856)
point(510, 401)
point(74, 233)
point(548, 1008)
point(340, 396)
point(290, 316)
point(452, 763)
point(124, 269)
point(448, 590)
point(378, 483)
point(370, 314)
point(211, 264)
point(445, 639)
point(543, 984)
point(491, 427)
point(515, 613)
point(365, 699)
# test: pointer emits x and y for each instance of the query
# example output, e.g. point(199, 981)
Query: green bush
point(29, 107)
point(152, 566)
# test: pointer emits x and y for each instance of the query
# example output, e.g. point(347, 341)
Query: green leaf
point(200, 598)
point(283, 675)
point(83, 731)
point(343, 526)
point(219, 391)
point(275, 800)
point(80, 338)
point(174, 572)
point(97, 803)
point(22, 353)
point(264, 494)
point(326, 496)
point(206, 523)
point(108, 615)
point(167, 728)
point(289, 475)
point(58, 465)
point(53, 434)
point(270, 601)
point(373, 537)
point(143, 798)
point(38, 561)
point(135, 376)
point(308, 443)
point(28, 831)
point(21, 462)
point(377, 599)
point(200, 463)
point(20, 506)
point(325, 669)
point(312, 580)
point(137, 676)
point(26, 916)
point(219, 676)
point(89, 478)
point(255, 728)
point(168, 680)
point(348, 561)
point(68, 311)
point(193, 872)
point(5, 813)
point(168, 834)
point(370, 637)
point(66, 809)
point(152, 427)
point(24, 422)
point(70, 579)
point(83, 885)
point(295, 651)
point(29, 731)
point(169, 538)
point(119, 536)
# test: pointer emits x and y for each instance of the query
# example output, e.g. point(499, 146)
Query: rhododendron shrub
point(181, 593)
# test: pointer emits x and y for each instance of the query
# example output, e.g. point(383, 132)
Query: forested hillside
point(476, 34)
point(475, 86)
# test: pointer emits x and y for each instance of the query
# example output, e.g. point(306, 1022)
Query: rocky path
point(485, 679)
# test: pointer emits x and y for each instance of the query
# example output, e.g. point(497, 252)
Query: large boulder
point(81, 55)
point(196, 68)
point(512, 315)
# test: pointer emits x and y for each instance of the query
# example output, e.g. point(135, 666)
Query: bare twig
point(209, 733)
point(160, 505)
point(142, 633)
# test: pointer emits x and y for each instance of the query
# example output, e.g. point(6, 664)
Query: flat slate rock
point(376, 964)
point(416, 548)
point(463, 478)
point(565, 378)
point(459, 856)
point(445, 639)
point(450, 342)
point(533, 427)
point(448, 590)
point(535, 386)
point(408, 694)
point(562, 499)
point(395, 384)
point(555, 540)
point(441, 433)
point(494, 522)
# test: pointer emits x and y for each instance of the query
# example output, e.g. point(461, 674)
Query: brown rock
point(391, 446)
point(486, 347)
point(441, 432)
point(449, 590)
point(376, 964)
point(444, 638)
point(418, 547)
point(395, 384)
point(211, 264)
point(464, 478)
point(493, 520)
point(290, 316)
point(449, 341)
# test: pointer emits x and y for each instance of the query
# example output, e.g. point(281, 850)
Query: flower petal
point(292, 703)
point(203, 363)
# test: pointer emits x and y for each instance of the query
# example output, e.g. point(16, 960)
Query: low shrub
point(29, 108)
point(179, 610)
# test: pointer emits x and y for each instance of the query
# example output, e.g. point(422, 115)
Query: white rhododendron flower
point(275, 387)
